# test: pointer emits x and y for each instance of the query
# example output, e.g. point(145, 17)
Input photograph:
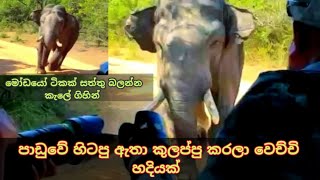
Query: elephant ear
point(239, 23)
point(139, 26)
point(43, 17)
point(35, 16)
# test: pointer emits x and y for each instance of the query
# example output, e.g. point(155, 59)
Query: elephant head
point(52, 24)
point(200, 56)
point(36, 14)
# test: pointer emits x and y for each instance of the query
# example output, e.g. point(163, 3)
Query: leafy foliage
point(273, 33)
point(31, 114)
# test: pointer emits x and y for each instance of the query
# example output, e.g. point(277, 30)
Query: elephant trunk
point(51, 40)
point(182, 112)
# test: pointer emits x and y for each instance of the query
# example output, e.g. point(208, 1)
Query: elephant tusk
point(156, 102)
point(211, 107)
point(40, 38)
point(58, 43)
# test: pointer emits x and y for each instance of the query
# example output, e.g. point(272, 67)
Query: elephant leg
point(53, 63)
point(63, 56)
point(43, 54)
point(58, 58)
point(39, 53)
point(67, 49)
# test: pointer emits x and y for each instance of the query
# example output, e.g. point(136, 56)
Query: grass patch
point(30, 114)
point(4, 35)
point(28, 27)
point(129, 50)
point(17, 39)
point(36, 114)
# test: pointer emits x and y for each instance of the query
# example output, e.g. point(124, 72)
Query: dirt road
point(22, 59)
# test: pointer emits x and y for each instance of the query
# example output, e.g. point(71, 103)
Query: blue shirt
point(313, 67)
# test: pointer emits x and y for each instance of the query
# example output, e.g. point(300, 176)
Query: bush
point(31, 114)
point(94, 18)
point(270, 41)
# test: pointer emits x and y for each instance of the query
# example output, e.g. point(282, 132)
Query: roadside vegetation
point(30, 114)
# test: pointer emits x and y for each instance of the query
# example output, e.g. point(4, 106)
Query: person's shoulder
point(280, 96)
point(267, 79)
point(291, 77)
point(284, 82)
point(281, 75)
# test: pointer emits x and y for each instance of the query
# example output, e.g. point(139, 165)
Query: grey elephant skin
point(58, 32)
point(200, 58)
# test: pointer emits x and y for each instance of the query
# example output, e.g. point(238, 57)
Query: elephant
point(58, 32)
point(199, 45)
point(200, 51)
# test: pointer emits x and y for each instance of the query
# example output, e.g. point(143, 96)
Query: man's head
point(305, 47)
